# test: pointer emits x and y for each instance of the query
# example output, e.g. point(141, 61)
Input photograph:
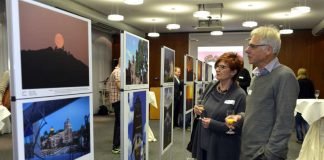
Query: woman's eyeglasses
point(221, 67)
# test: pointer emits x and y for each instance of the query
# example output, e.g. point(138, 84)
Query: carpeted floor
point(103, 131)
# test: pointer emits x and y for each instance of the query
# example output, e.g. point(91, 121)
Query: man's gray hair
point(268, 35)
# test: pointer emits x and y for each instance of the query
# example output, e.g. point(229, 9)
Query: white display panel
point(134, 62)
point(53, 128)
point(50, 51)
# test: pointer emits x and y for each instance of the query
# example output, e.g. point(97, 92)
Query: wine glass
point(230, 121)
point(201, 108)
point(317, 92)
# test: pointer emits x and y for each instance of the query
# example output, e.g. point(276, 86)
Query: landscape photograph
point(168, 67)
point(54, 48)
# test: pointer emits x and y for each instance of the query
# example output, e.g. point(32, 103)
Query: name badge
point(232, 102)
point(249, 91)
point(241, 77)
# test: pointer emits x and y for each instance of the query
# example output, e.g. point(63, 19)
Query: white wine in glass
point(317, 93)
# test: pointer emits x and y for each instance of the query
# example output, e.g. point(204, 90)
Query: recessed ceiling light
point(134, 2)
point(115, 17)
point(300, 10)
point(173, 26)
point(250, 24)
point(216, 33)
point(286, 31)
point(153, 34)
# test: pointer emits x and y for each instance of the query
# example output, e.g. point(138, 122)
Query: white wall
point(101, 64)
point(228, 39)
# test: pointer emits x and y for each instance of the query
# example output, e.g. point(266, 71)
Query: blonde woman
point(306, 92)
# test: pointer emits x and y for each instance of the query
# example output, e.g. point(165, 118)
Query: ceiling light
point(173, 26)
point(153, 34)
point(216, 33)
point(300, 10)
point(115, 17)
point(286, 31)
point(201, 13)
point(134, 2)
point(250, 24)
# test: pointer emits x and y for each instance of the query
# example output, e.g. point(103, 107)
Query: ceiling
point(234, 12)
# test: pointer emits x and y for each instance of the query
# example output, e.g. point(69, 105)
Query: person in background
point(211, 140)
point(271, 99)
point(244, 79)
point(178, 90)
point(113, 86)
point(306, 92)
point(4, 88)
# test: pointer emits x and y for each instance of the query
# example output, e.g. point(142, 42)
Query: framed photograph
point(134, 62)
point(166, 120)
point(167, 66)
point(199, 70)
point(134, 110)
point(188, 69)
point(188, 97)
point(58, 127)
point(206, 72)
point(51, 51)
point(199, 89)
point(210, 73)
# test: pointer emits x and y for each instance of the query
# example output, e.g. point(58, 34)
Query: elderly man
point(271, 100)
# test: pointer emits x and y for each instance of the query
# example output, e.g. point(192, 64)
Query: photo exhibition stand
point(50, 83)
point(166, 101)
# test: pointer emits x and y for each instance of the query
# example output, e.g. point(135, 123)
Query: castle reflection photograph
point(57, 129)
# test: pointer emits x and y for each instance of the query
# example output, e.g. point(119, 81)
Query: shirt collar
point(269, 67)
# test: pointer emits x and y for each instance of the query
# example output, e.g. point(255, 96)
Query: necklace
point(220, 90)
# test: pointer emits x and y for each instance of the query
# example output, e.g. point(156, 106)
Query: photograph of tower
point(135, 61)
point(55, 51)
point(137, 125)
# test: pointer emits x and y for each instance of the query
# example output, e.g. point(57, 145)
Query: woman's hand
point(205, 122)
point(234, 119)
point(198, 109)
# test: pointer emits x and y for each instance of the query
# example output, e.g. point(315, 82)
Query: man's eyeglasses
point(221, 67)
point(256, 45)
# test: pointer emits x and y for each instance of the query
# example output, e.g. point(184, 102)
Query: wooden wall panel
point(302, 49)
